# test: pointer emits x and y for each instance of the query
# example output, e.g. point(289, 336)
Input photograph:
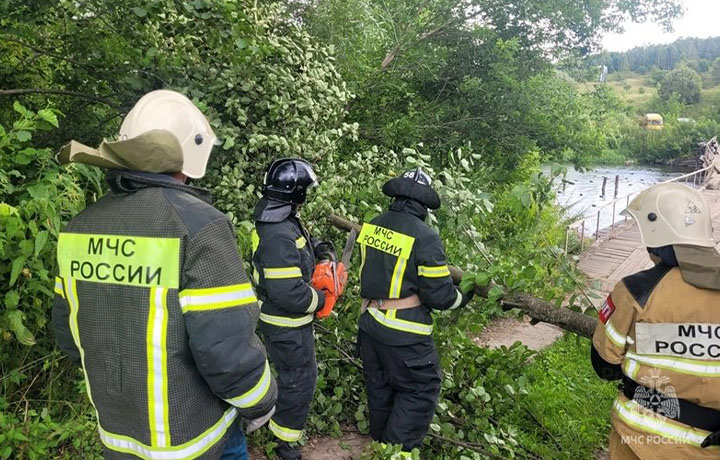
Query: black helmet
point(287, 180)
point(415, 184)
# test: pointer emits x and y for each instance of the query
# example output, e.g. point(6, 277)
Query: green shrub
point(36, 198)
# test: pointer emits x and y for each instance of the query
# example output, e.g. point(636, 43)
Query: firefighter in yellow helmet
point(659, 332)
point(152, 299)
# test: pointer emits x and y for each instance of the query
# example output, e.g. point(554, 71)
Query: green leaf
point(12, 298)
point(23, 136)
point(49, 116)
point(19, 108)
point(14, 319)
point(7, 210)
point(139, 12)
point(17, 267)
point(229, 143)
point(40, 241)
point(496, 293)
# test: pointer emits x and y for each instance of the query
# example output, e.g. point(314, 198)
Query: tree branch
point(537, 309)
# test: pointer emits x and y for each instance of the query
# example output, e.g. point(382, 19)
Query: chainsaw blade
point(348, 250)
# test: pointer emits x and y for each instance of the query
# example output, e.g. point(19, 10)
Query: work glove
point(257, 423)
point(324, 251)
point(712, 440)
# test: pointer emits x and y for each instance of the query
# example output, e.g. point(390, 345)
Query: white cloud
point(700, 20)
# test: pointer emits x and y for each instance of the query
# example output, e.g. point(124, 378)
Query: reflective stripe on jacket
point(664, 334)
point(401, 256)
point(283, 265)
point(153, 300)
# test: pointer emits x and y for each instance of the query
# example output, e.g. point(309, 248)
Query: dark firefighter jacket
point(153, 300)
point(660, 331)
point(283, 264)
point(402, 256)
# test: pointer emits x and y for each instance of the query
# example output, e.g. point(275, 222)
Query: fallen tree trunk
point(538, 309)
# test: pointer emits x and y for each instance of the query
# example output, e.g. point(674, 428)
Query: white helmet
point(669, 214)
point(171, 111)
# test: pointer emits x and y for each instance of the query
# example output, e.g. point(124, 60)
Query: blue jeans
point(235, 449)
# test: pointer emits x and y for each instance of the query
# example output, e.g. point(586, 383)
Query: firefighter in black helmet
point(404, 275)
point(284, 258)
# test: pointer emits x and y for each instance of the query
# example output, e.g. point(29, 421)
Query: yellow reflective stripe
point(630, 368)
point(440, 271)
point(397, 278)
point(458, 300)
point(59, 287)
point(313, 302)
point(390, 320)
point(116, 259)
point(74, 304)
point(363, 255)
point(157, 369)
point(257, 393)
point(680, 365)
point(281, 273)
point(615, 337)
point(284, 321)
point(284, 433)
point(638, 417)
point(190, 450)
point(300, 242)
point(255, 238)
point(216, 298)
point(388, 241)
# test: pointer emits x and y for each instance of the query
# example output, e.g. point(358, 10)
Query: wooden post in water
point(603, 187)
point(617, 184)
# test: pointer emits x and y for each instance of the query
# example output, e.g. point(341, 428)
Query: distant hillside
point(698, 53)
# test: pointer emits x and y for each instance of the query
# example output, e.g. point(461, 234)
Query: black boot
point(287, 452)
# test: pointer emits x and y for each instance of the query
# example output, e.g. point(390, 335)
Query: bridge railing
point(590, 227)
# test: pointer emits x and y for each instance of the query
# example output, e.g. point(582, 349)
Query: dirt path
point(349, 447)
point(506, 331)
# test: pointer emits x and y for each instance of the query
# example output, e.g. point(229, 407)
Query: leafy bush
point(683, 82)
point(36, 198)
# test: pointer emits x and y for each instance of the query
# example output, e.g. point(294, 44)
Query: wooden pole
point(537, 309)
point(617, 185)
point(603, 186)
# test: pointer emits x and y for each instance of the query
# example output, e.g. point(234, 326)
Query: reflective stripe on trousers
point(389, 319)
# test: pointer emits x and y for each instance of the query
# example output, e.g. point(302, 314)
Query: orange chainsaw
point(331, 276)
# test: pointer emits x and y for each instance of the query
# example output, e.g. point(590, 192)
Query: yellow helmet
point(669, 214)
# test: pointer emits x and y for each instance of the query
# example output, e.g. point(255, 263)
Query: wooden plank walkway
point(622, 254)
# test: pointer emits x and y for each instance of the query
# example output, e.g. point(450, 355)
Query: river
point(582, 193)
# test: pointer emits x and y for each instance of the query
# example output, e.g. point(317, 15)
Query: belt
point(392, 304)
point(690, 413)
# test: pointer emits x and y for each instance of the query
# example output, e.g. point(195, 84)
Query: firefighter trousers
point(292, 353)
point(403, 385)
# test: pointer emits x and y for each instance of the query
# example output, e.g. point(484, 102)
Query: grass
point(637, 90)
point(566, 413)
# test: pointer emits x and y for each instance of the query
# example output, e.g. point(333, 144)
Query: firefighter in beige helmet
point(659, 333)
point(152, 299)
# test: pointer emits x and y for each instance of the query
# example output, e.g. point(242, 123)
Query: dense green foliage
point(683, 83)
point(363, 89)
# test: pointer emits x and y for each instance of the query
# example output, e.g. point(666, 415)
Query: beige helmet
point(670, 214)
point(175, 113)
point(163, 133)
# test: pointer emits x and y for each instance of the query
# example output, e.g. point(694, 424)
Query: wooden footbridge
point(617, 250)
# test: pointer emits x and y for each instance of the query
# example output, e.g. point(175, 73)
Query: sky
point(701, 19)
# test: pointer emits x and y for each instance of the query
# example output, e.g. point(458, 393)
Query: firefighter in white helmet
point(659, 332)
point(152, 299)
